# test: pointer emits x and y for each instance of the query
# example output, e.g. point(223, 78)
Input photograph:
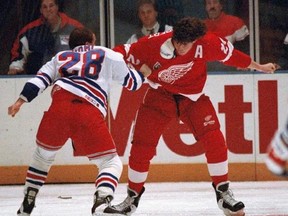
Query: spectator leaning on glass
point(40, 40)
point(147, 14)
point(231, 27)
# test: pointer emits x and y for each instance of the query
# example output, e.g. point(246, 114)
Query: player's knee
point(215, 146)
point(214, 137)
point(142, 152)
point(109, 163)
point(43, 158)
point(46, 154)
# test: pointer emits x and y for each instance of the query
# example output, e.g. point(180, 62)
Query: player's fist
point(14, 108)
point(145, 70)
point(14, 71)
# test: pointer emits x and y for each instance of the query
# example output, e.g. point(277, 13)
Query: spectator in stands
point(226, 26)
point(41, 39)
point(231, 27)
point(147, 13)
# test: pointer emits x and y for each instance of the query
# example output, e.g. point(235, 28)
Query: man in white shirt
point(147, 14)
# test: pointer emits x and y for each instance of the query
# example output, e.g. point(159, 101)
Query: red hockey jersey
point(181, 74)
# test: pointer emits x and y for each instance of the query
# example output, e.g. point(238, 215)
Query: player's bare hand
point(14, 108)
point(145, 70)
point(14, 71)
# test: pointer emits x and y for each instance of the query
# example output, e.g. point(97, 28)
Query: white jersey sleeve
point(41, 81)
point(121, 73)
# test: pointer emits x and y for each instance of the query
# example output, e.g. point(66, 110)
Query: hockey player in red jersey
point(80, 79)
point(178, 62)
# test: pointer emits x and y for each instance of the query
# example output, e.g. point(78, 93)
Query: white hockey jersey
point(86, 71)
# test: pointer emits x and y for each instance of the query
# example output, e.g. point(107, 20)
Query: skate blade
point(238, 213)
point(106, 214)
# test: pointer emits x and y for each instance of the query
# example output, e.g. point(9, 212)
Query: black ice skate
point(130, 204)
point(28, 202)
point(226, 201)
point(102, 206)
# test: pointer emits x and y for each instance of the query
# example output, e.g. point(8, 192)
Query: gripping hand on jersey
point(14, 108)
point(145, 70)
point(277, 153)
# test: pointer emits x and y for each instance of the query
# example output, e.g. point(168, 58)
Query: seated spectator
point(231, 27)
point(227, 26)
point(147, 14)
point(41, 39)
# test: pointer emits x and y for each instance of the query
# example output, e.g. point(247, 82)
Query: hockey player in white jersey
point(80, 79)
point(277, 153)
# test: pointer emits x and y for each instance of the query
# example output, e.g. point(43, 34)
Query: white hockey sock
point(110, 169)
point(39, 168)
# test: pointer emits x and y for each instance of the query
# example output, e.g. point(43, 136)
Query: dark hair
point(222, 2)
point(142, 2)
point(56, 2)
point(188, 29)
point(79, 36)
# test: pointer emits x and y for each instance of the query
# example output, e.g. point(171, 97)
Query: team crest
point(175, 72)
